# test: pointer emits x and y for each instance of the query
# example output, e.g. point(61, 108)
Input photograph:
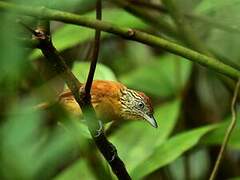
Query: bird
point(112, 101)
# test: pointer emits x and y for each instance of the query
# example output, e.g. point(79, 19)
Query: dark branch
point(125, 32)
point(57, 64)
point(107, 149)
point(26, 27)
point(95, 49)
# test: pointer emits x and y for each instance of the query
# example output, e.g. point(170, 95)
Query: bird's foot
point(114, 153)
point(99, 130)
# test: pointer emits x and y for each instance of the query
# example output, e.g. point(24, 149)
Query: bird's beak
point(150, 119)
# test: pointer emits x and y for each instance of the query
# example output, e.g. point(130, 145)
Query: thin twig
point(228, 133)
point(106, 148)
point(26, 27)
point(95, 49)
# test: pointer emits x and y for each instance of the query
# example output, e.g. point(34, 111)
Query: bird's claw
point(114, 151)
point(100, 130)
point(113, 157)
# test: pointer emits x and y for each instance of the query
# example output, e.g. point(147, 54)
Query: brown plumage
point(112, 101)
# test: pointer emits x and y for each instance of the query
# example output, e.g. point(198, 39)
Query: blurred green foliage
point(102, 72)
point(31, 147)
point(215, 137)
point(161, 74)
point(169, 151)
point(63, 41)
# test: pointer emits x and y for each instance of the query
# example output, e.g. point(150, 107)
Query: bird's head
point(136, 105)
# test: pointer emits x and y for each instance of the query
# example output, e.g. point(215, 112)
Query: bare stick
point(95, 49)
point(228, 133)
point(57, 64)
point(107, 149)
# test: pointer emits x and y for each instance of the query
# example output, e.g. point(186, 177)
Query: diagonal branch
point(193, 41)
point(185, 33)
point(125, 32)
point(56, 63)
point(107, 149)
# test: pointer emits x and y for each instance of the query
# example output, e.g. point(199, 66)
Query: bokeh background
point(192, 103)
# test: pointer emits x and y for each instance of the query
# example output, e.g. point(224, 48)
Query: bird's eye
point(141, 105)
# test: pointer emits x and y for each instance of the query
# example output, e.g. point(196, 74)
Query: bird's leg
point(100, 129)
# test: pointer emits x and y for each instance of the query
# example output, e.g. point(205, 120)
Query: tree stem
point(127, 33)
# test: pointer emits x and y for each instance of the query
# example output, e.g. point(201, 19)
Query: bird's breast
point(105, 98)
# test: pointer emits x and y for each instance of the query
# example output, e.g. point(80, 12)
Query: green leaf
point(217, 5)
point(199, 165)
point(216, 137)
point(12, 64)
point(18, 141)
point(80, 70)
point(224, 42)
point(58, 149)
point(71, 35)
point(235, 178)
point(79, 169)
point(163, 77)
point(25, 141)
point(137, 140)
point(169, 151)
